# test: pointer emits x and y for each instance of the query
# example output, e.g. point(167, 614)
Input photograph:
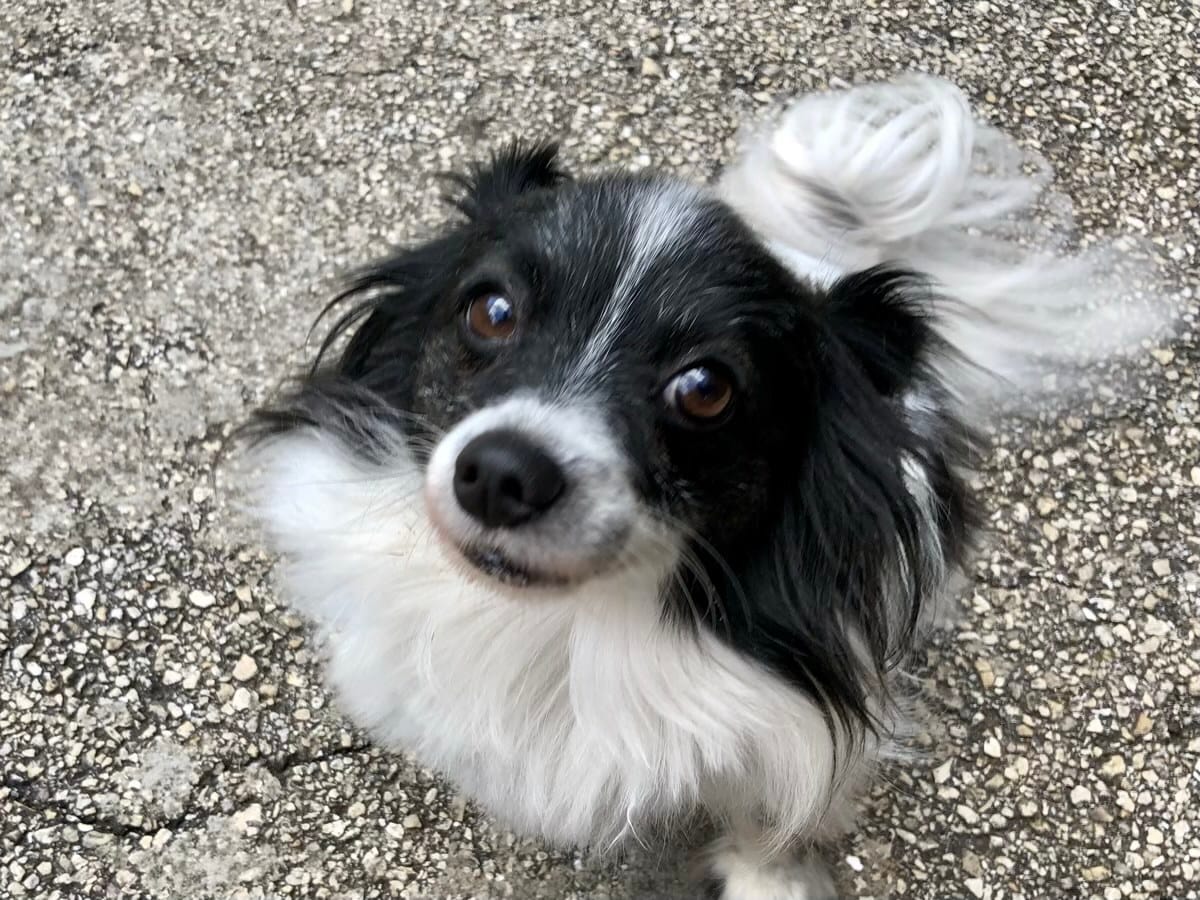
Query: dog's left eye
point(702, 393)
point(492, 316)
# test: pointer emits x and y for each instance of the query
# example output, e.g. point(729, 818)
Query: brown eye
point(701, 393)
point(492, 317)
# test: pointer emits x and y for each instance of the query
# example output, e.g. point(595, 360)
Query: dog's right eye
point(492, 317)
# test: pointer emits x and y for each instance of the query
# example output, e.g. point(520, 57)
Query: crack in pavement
point(34, 797)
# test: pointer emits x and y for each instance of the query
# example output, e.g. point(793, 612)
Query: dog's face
point(598, 370)
point(614, 372)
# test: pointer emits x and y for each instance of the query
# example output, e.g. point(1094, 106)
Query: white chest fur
point(580, 718)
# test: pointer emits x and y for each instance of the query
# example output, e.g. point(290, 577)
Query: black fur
point(796, 507)
point(517, 169)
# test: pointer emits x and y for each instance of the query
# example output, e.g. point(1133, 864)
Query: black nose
point(503, 479)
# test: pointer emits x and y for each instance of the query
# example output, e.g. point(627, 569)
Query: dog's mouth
point(496, 557)
point(490, 563)
point(497, 565)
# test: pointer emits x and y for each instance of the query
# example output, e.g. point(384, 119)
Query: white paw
point(741, 873)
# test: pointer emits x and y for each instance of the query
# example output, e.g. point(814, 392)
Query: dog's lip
point(496, 564)
point(479, 555)
point(492, 562)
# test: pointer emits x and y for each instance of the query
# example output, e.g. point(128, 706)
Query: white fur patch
point(580, 717)
point(748, 872)
point(660, 220)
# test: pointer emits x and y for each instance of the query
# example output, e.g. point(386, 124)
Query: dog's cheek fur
point(439, 370)
point(867, 514)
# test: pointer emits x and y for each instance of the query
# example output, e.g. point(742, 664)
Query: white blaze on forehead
point(662, 218)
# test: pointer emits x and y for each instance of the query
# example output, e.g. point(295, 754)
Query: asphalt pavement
point(179, 184)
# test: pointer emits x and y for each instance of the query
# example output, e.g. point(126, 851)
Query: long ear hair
point(353, 389)
point(383, 309)
point(872, 514)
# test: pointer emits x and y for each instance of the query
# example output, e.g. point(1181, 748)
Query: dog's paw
point(734, 872)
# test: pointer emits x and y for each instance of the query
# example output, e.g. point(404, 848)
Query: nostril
point(469, 474)
point(512, 489)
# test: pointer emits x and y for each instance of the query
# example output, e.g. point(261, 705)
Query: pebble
point(242, 699)
point(201, 599)
point(74, 556)
point(1080, 795)
point(412, 821)
point(245, 669)
point(651, 68)
point(336, 828)
point(992, 748)
point(1156, 627)
point(1148, 646)
point(975, 886)
point(1114, 766)
point(983, 669)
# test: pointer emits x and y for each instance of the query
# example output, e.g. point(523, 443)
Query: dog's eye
point(701, 393)
point(492, 316)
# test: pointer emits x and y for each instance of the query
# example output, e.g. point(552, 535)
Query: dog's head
point(598, 372)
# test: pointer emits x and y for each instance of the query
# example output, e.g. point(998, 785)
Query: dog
point(624, 500)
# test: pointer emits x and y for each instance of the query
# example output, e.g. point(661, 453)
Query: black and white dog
point(624, 499)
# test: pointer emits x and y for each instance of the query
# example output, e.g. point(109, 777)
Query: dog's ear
point(384, 306)
point(881, 316)
point(363, 373)
point(517, 169)
point(846, 522)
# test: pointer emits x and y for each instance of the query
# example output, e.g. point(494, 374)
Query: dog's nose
point(503, 479)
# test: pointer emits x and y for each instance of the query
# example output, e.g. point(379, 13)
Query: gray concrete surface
point(179, 180)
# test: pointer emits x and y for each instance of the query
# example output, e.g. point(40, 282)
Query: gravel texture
point(178, 182)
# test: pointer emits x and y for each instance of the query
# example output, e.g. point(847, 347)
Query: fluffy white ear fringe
point(902, 172)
